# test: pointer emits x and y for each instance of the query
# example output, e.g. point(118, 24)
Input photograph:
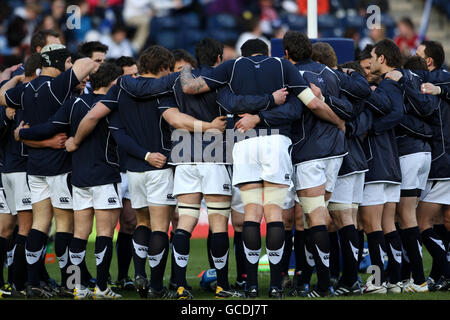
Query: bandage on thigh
point(222, 208)
point(189, 209)
point(274, 195)
point(252, 196)
point(309, 204)
point(334, 206)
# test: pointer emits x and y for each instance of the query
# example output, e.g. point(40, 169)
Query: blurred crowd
point(128, 26)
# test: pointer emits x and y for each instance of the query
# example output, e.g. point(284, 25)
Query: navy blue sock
point(287, 251)
point(34, 248)
point(62, 243)
point(124, 250)
point(349, 243)
point(275, 247)
point(335, 252)
point(20, 264)
point(141, 239)
point(219, 253)
point(103, 256)
point(180, 248)
point(394, 252)
point(377, 250)
point(252, 247)
point(158, 251)
point(240, 257)
point(321, 253)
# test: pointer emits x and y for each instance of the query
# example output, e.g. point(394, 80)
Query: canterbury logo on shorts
point(26, 201)
point(64, 200)
point(112, 200)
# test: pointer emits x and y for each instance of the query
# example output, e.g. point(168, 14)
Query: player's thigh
point(186, 221)
point(64, 220)
point(160, 217)
point(143, 217)
point(25, 221)
point(42, 215)
point(83, 222)
point(237, 220)
point(127, 218)
point(105, 221)
point(7, 224)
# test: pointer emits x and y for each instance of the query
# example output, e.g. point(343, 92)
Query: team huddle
point(327, 154)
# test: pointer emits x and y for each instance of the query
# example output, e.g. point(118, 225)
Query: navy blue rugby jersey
point(258, 75)
point(141, 120)
point(40, 99)
point(96, 161)
point(15, 152)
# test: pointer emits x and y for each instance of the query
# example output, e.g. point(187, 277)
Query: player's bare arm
point(190, 84)
point(180, 120)
point(9, 85)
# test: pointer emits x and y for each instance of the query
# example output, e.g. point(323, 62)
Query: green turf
point(198, 262)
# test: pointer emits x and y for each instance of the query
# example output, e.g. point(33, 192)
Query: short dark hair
point(207, 51)
point(355, 66)
point(155, 58)
point(390, 51)
point(88, 48)
point(415, 63)
point(324, 53)
point(434, 50)
point(125, 61)
point(298, 45)
point(407, 21)
point(254, 46)
point(181, 54)
point(366, 53)
point(119, 27)
point(105, 74)
point(39, 38)
point(34, 62)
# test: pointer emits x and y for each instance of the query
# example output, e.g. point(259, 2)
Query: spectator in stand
point(118, 43)
point(352, 33)
point(375, 35)
point(58, 12)
point(233, 7)
point(407, 39)
point(268, 16)
point(254, 31)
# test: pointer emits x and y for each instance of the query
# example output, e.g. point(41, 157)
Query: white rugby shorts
point(151, 188)
point(102, 197)
point(17, 192)
point(57, 188)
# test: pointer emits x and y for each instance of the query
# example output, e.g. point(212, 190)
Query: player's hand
point(10, 113)
point(156, 159)
point(21, 126)
point(69, 144)
point(280, 95)
point(373, 88)
point(341, 125)
point(219, 123)
point(247, 122)
point(6, 74)
point(347, 70)
point(316, 90)
point(394, 75)
point(429, 88)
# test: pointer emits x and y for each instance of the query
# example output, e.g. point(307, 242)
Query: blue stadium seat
point(221, 21)
point(223, 35)
point(327, 21)
point(356, 22)
point(294, 21)
point(188, 21)
point(191, 37)
point(167, 22)
point(168, 39)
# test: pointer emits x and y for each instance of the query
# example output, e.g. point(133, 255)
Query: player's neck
point(386, 69)
point(102, 90)
point(50, 72)
point(150, 75)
